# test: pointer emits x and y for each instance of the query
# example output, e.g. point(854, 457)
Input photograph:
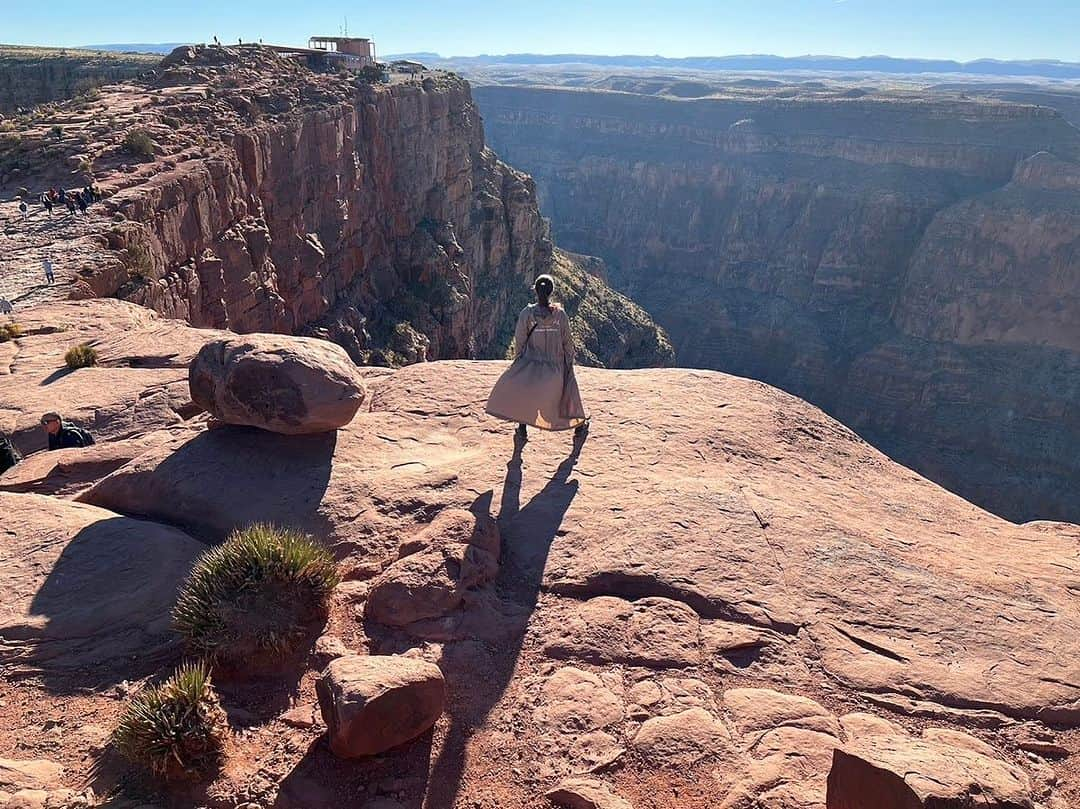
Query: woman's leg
point(521, 433)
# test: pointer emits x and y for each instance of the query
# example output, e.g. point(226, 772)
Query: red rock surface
point(694, 607)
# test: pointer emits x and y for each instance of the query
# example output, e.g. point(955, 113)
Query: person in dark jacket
point(9, 456)
point(63, 435)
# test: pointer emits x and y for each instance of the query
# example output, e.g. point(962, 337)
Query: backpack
point(87, 439)
point(9, 456)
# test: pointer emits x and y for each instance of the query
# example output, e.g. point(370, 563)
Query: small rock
point(372, 704)
point(682, 739)
point(327, 648)
point(302, 716)
point(586, 793)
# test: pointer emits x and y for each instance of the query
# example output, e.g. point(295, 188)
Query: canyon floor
point(695, 606)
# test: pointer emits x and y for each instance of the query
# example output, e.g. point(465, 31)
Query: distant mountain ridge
point(135, 47)
point(1046, 68)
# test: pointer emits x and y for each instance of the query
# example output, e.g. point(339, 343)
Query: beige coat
point(540, 388)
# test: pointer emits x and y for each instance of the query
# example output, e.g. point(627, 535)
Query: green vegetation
point(255, 596)
point(138, 142)
point(139, 262)
point(81, 356)
point(57, 131)
point(176, 729)
point(10, 331)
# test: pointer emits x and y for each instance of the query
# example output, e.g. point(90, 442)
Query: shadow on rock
point(527, 534)
point(226, 478)
point(102, 613)
point(322, 779)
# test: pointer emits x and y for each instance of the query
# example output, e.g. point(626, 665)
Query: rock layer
point(911, 266)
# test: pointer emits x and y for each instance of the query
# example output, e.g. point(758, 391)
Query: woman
point(539, 388)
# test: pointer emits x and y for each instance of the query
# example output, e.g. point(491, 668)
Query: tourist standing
point(540, 388)
point(5, 306)
point(47, 266)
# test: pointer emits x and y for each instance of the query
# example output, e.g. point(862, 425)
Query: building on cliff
point(352, 52)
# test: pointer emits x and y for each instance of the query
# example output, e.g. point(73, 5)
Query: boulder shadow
point(226, 478)
point(320, 778)
point(79, 632)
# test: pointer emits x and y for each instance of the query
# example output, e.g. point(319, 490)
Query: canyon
point(31, 76)
point(244, 191)
point(907, 259)
point(716, 596)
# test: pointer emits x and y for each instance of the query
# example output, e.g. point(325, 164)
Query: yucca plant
point(81, 356)
point(176, 729)
point(254, 598)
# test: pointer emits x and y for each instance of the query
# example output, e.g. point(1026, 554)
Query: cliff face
point(911, 266)
point(278, 199)
point(31, 76)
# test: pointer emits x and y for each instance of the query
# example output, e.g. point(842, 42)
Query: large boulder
point(81, 586)
point(373, 704)
point(290, 385)
point(901, 772)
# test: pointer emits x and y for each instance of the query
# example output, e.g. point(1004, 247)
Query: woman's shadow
point(527, 534)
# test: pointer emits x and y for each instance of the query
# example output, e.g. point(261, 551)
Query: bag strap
point(532, 328)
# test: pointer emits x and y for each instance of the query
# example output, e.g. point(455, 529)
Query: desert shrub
point(139, 142)
point(139, 262)
point(81, 356)
point(10, 331)
point(176, 729)
point(57, 131)
point(372, 74)
point(254, 598)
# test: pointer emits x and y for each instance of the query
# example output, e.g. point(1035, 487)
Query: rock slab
point(373, 704)
point(290, 385)
point(899, 772)
point(585, 793)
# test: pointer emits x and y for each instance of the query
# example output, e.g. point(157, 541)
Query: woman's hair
point(544, 285)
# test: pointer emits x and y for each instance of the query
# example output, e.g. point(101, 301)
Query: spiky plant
point(81, 356)
point(176, 729)
point(254, 598)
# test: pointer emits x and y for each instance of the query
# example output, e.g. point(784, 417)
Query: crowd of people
point(75, 201)
point(72, 200)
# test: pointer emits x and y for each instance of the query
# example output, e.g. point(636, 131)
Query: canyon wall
point(31, 76)
point(912, 265)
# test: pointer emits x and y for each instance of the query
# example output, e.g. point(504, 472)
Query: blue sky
point(957, 29)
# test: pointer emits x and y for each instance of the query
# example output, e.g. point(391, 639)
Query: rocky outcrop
point(372, 704)
point(31, 76)
point(908, 265)
point(291, 385)
point(684, 603)
point(266, 197)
